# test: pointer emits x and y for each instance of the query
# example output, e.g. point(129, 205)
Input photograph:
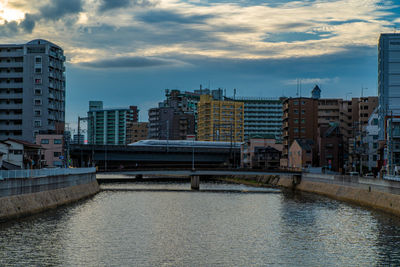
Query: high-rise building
point(388, 78)
point(174, 119)
point(261, 116)
point(220, 120)
point(109, 126)
point(389, 97)
point(300, 122)
point(32, 90)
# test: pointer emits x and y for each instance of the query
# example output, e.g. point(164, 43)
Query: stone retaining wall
point(26, 204)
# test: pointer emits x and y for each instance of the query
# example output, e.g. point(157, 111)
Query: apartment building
point(52, 149)
point(32, 90)
point(300, 121)
point(261, 116)
point(136, 131)
point(109, 126)
point(220, 120)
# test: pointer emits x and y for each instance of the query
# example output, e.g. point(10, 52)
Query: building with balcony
point(32, 90)
point(261, 116)
point(220, 120)
point(300, 121)
point(255, 155)
point(109, 126)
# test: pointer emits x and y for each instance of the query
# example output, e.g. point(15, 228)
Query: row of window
point(47, 141)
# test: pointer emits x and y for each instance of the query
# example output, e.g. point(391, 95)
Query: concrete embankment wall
point(372, 193)
point(22, 197)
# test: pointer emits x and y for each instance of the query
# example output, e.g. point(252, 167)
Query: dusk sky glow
point(126, 52)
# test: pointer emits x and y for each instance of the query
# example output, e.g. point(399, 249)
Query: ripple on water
point(172, 228)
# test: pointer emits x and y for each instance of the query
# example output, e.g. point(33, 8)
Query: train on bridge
point(157, 154)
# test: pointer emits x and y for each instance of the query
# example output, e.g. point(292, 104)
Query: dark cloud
point(9, 28)
point(162, 16)
point(56, 9)
point(13, 28)
point(28, 23)
point(107, 5)
point(128, 62)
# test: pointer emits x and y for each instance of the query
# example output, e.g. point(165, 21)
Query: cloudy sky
point(126, 52)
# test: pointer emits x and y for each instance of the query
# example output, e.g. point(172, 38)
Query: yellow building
point(220, 120)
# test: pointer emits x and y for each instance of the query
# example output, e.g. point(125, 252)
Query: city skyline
point(128, 52)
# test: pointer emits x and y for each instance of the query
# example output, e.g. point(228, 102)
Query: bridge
point(194, 175)
point(170, 155)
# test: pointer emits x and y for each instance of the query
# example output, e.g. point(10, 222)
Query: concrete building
point(389, 98)
point(253, 155)
point(331, 147)
point(136, 131)
point(220, 120)
point(261, 116)
point(300, 121)
point(19, 154)
point(78, 139)
point(370, 141)
point(174, 118)
point(109, 126)
point(301, 154)
point(52, 149)
point(32, 90)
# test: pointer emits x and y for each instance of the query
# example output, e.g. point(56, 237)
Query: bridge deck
point(187, 173)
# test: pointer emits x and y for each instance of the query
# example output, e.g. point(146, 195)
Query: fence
point(43, 173)
point(17, 182)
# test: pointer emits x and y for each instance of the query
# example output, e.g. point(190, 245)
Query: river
point(225, 225)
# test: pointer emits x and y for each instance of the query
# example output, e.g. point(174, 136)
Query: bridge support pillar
point(195, 182)
point(296, 179)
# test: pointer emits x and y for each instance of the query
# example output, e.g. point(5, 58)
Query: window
point(37, 123)
point(375, 157)
point(296, 111)
point(38, 91)
point(38, 81)
point(38, 112)
point(38, 59)
point(296, 121)
point(375, 122)
point(303, 111)
point(38, 70)
point(57, 154)
point(57, 141)
point(295, 103)
point(44, 141)
point(38, 102)
point(303, 121)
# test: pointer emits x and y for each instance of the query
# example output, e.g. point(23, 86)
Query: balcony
point(11, 117)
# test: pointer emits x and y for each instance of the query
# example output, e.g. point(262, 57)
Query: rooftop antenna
point(234, 93)
point(300, 87)
point(297, 92)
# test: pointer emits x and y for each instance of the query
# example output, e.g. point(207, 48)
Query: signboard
point(61, 157)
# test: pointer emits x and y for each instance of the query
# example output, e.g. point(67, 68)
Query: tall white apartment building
point(32, 90)
point(262, 116)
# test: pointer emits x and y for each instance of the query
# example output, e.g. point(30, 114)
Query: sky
point(127, 52)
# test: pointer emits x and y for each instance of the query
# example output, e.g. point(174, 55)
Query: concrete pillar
point(195, 182)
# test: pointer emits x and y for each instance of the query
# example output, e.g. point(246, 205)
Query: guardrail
point(391, 178)
point(37, 173)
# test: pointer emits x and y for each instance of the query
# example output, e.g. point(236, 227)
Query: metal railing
point(16, 174)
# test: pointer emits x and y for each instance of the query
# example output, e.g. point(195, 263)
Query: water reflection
point(134, 228)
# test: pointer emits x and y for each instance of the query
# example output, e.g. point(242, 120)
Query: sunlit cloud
point(91, 30)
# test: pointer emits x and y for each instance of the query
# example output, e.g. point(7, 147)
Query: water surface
point(227, 225)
